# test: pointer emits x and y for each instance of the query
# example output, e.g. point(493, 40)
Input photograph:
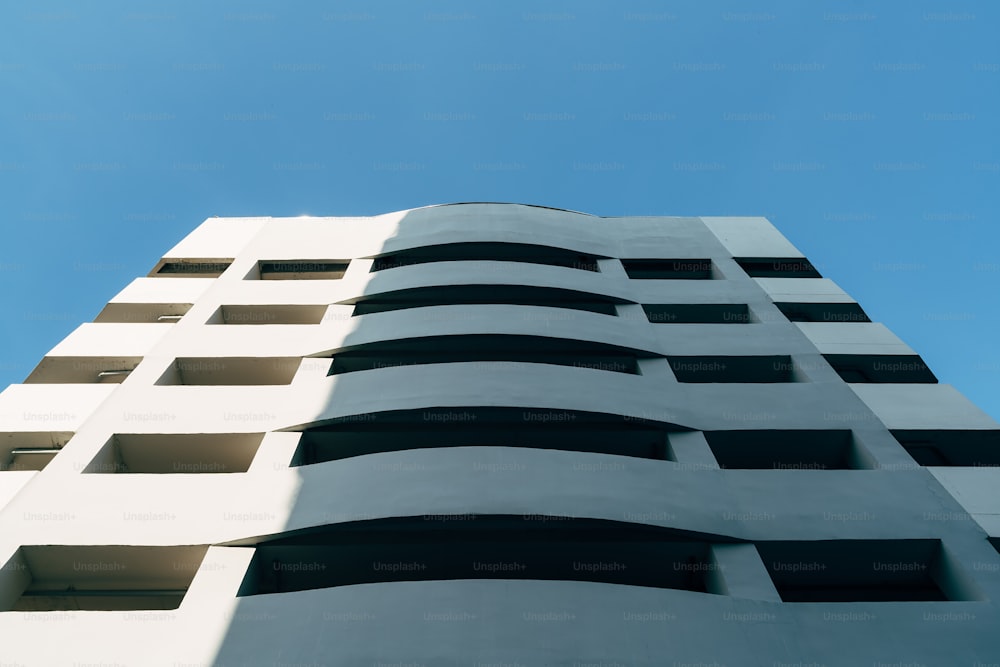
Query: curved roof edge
point(506, 203)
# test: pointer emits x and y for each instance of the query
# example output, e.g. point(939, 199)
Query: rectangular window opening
point(668, 269)
point(191, 268)
point(734, 369)
point(269, 314)
point(362, 435)
point(231, 371)
point(778, 267)
point(142, 313)
point(450, 295)
point(708, 313)
point(303, 269)
point(101, 578)
point(823, 312)
point(82, 370)
point(32, 450)
point(487, 252)
point(176, 453)
point(969, 448)
point(784, 449)
point(493, 548)
point(859, 571)
point(881, 368)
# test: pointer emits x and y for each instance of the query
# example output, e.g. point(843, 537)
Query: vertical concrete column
point(312, 369)
point(612, 268)
point(218, 578)
point(275, 452)
point(691, 449)
point(632, 312)
point(738, 571)
point(15, 577)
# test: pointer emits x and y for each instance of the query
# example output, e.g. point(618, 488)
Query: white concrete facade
point(713, 457)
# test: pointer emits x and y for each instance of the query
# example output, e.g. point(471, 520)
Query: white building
point(493, 434)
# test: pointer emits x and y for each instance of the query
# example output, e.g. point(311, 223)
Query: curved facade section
point(488, 273)
point(493, 434)
point(497, 320)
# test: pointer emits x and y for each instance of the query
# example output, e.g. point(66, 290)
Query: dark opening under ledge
point(881, 368)
point(485, 547)
point(521, 295)
point(488, 348)
point(193, 268)
point(823, 312)
point(400, 430)
point(701, 313)
point(303, 269)
point(668, 269)
point(973, 448)
point(484, 251)
point(99, 577)
point(735, 369)
point(862, 571)
point(778, 267)
point(785, 449)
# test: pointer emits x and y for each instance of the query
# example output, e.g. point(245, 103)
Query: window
point(101, 578)
point(668, 269)
point(192, 268)
point(487, 348)
point(521, 295)
point(30, 451)
point(708, 313)
point(784, 449)
point(164, 453)
point(777, 368)
point(271, 314)
point(778, 267)
point(145, 313)
point(823, 312)
point(566, 430)
point(82, 370)
point(486, 547)
point(231, 371)
point(880, 368)
point(496, 252)
point(951, 447)
point(303, 269)
point(860, 571)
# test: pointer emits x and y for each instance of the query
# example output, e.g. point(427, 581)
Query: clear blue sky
point(867, 132)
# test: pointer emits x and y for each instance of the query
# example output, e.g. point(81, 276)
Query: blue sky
point(867, 132)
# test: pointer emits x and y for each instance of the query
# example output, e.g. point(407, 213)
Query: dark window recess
point(668, 269)
point(488, 547)
point(823, 312)
point(499, 252)
point(707, 313)
point(219, 371)
point(103, 578)
point(518, 295)
point(194, 269)
point(168, 453)
point(487, 348)
point(857, 570)
point(31, 450)
point(270, 314)
point(879, 368)
point(778, 267)
point(566, 430)
point(783, 450)
point(951, 448)
point(733, 369)
point(303, 269)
